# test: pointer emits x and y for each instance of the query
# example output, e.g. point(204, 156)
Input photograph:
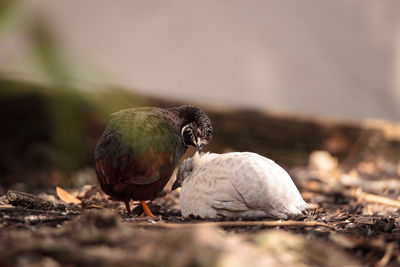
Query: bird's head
point(191, 165)
point(195, 126)
point(184, 170)
point(196, 135)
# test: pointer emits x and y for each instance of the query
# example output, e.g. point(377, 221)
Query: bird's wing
point(204, 196)
point(210, 185)
point(263, 184)
point(225, 196)
point(137, 148)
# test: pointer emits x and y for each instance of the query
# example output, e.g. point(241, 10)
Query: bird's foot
point(128, 209)
point(146, 210)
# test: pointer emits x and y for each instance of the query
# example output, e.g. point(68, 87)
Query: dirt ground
point(354, 220)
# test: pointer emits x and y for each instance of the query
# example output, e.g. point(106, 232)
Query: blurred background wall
point(338, 58)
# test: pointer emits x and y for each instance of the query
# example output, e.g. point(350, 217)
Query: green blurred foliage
point(69, 109)
point(7, 9)
point(75, 120)
point(54, 125)
point(48, 55)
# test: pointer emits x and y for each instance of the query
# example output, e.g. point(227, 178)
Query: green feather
point(144, 129)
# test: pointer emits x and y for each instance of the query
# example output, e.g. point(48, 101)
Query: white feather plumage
point(238, 185)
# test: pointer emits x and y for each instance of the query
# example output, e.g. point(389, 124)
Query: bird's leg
point(146, 210)
point(128, 209)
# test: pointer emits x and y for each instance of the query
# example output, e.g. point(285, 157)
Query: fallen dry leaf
point(67, 197)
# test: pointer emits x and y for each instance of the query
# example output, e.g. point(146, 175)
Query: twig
point(374, 198)
point(374, 186)
point(239, 223)
point(6, 207)
point(388, 255)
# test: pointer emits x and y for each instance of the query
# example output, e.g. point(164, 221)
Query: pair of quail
point(140, 148)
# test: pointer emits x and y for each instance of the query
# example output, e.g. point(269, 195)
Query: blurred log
point(39, 153)
point(289, 139)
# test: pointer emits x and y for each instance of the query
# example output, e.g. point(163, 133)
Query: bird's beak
point(199, 145)
point(175, 185)
point(199, 148)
